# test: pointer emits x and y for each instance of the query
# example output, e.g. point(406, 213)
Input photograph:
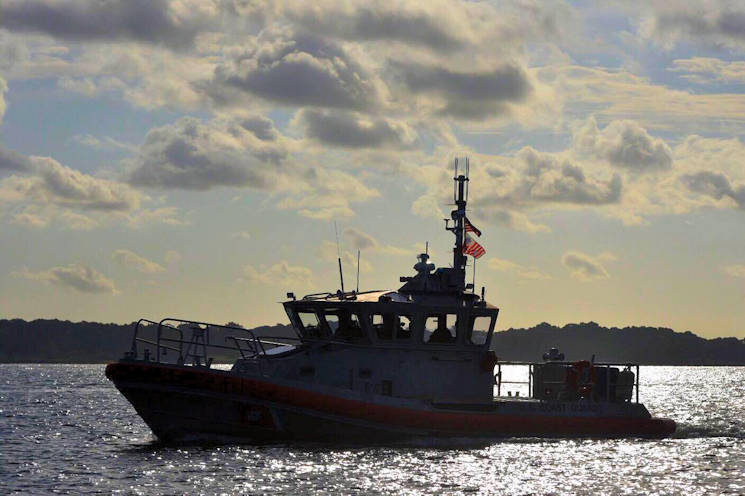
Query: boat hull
point(191, 403)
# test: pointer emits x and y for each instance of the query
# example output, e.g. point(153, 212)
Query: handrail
point(607, 365)
point(198, 344)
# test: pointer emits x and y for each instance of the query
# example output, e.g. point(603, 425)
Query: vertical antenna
point(468, 173)
point(358, 270)
point(455, 184)
point(338, 252)
point(426, 247)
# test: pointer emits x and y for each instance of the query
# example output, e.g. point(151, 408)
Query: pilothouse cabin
point(397, 344)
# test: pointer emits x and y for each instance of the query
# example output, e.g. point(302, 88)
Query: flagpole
point(474, 274)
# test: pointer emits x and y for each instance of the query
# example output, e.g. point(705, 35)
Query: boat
point(409, 363)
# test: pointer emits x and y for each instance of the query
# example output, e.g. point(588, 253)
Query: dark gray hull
point(188, 403)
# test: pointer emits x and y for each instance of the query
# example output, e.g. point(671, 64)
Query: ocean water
point(66, 429)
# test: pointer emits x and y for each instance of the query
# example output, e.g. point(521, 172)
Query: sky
point(199, 158)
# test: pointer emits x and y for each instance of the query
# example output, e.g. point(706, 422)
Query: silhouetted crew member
point(442, 333)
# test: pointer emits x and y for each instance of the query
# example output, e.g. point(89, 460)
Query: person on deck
point(442, 333)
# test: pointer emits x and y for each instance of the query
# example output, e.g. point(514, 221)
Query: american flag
point(471, 228)
point(471, 247)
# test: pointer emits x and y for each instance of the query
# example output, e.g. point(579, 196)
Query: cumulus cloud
point(12, 161)
point(297, 70)
point(545, 178)
point(351, 130)
point(54, 183)
point(624, 144)
point(504, 190)
point(175, 24)
point(384, 21)
point(467, 95)
point(520, 271)
point(75, 276)
point(713, 22)
point(193, 155)
point(51, 183)
point(716, 185)
point(134, 261)
point(585, 267)
point(280, 274)
point(440, 26)
point(42, 190)
point(261, 127)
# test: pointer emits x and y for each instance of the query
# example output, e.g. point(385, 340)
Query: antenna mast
point(358, 270)
point(338, 253)
point(460, 197)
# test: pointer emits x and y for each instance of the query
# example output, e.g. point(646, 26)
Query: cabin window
point(479, 330)
point(440, 328)
point(311, 324)
point(388, 326)
point(383, 325)
point(343, 325)
point(403, 331)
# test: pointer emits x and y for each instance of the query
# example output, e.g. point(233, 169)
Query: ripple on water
point(65, 428)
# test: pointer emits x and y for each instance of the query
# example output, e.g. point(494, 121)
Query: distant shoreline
point(63, 342)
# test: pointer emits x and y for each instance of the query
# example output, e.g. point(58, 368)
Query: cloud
point(200, 156)
point(521, 271)
point(10, 160)
point(624, 144)
point(467, 95)
point(105, 143)
point(296, 70)
point(52, 183)
point(715, 185)
point(261, 127)
point(545, 178)
point(75, 276)
point(621, 94)
point(363, 241)
point(319, 192)
point(45, 190)
point(193, 155)
point(76, 221)
point(241, 235)
point(30, 218)
point(174, 24)
point(708, 70)
point(132, 260)
point(512, 219)
point(57, 184)
point(3, 106)
point(383, 21)
point(715, 23)
point(584, 267)
point(350, 130)
point(734, 270)
point(279, 274)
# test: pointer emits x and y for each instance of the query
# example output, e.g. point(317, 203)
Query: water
point(65, 429)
